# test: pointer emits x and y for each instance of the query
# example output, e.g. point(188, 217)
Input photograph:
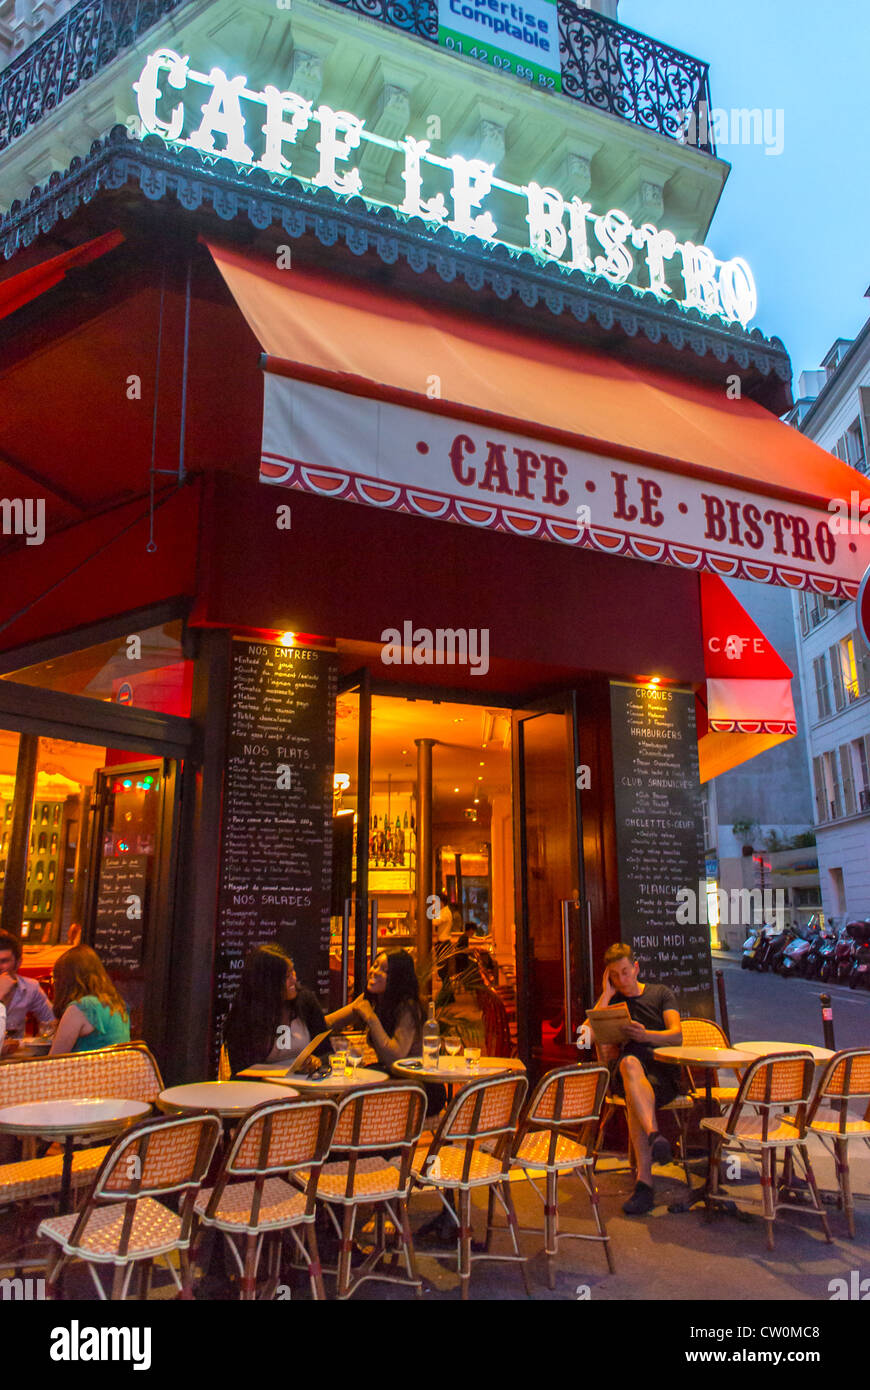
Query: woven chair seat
point(156, 1230)
point(678, 1102)
point(749, 1130)
point(280, 1205)
point(375, 1177)
point(535, 1148)
point(484, 1168)
point(39, 1177)
point(722, 1095)
point(828, 1122)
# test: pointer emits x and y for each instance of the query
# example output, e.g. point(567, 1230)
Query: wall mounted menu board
point(276, 843)
point(659, 839)
point(121, 911)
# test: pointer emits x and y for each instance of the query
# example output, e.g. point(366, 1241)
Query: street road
point(768, 1007)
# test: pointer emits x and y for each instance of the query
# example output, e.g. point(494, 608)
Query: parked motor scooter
point(776, 940)
point(824, 939)
point(827, 952)
point(860, 972)
point(793, 959)
point(844, 953)
point(751, 947)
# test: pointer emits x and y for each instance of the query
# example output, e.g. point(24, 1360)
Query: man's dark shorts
point(664, 1079)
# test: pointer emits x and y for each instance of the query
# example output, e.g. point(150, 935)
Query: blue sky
point(801, 218)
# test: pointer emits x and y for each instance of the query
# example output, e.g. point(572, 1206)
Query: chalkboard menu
point(121, 910)
point(659, 840)
point(276, 844)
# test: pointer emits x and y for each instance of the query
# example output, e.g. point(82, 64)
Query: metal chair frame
point(139, 1137)
point(558, 1125)
point(759, 1089)
point(350, 1148)
point(303, 1171)
point(497, 1141)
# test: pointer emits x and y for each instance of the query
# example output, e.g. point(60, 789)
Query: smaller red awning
point(29, 284)
point(748, 706)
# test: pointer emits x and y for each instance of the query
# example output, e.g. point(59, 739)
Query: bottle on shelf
point(53, 846)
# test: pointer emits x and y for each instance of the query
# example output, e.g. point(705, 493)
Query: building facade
point(372, 462)
point(833, 408)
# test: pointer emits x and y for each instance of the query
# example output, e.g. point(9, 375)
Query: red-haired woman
point(90, 1010)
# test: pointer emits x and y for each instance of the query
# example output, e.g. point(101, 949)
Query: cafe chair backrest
point(846, 1077)
point(158, 1155)
point(377, 1117)
point(568, 1096)
point(703, 1032)
point(281, 1136)
point(773, 1082)
point(125, 1072)
point(485, 1109)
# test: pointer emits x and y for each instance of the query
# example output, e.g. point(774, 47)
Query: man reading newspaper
point(635, 1074)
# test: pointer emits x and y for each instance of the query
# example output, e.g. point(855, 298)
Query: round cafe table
point(232, 1100)
point(328, 1085)
point(64, 1119)
point(708, 1060)
point(452, 1071)
point(754, 1050)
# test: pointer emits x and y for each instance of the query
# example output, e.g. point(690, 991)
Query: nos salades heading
point(558, 226)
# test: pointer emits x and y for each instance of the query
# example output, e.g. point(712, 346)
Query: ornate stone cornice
point(199, 181)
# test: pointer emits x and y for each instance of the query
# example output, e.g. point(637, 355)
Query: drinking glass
point(431, 1051)
point(354, 1055)
point(472, 1057)
point(452, 1044)
point(338, 1062)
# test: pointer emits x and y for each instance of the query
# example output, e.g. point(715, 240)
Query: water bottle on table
point(431, 1039)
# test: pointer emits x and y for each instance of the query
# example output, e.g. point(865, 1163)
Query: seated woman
point(90, 1010)
point(390, 1008)
point(271, 1019)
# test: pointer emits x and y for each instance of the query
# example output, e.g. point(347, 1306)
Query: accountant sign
point(518, 36)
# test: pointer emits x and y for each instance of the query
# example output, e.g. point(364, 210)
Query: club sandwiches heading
point(562, 229)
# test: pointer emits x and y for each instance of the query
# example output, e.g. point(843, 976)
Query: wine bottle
point(406, 821)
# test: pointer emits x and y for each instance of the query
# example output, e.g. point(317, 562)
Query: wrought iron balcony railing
point(604, 64)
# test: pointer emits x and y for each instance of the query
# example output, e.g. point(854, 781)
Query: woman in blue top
point(90, 1010)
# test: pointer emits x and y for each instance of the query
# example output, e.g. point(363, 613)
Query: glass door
point(552, 947)
point(129, 909)
point(349, 934)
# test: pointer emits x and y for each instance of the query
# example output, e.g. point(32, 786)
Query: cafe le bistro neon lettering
point(726, 288)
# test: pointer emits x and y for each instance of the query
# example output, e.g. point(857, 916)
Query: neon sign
point(559, 227)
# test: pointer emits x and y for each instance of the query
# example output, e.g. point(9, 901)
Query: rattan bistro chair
point(472, 1149)
point(279, 1139)
point(376, 1133)
point(121, 1222)
point(703, 1032)
point(769, 1084)
point(846, 1077)
point(556, 1134)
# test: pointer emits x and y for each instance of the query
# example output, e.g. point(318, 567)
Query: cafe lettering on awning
point(259, 128)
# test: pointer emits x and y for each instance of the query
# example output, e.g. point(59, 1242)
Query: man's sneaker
point(660, 1149)
point(640, 1202)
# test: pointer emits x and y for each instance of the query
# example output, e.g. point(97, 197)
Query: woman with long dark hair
point(271, 1018)
point(90, 1010)
point(390, 1008)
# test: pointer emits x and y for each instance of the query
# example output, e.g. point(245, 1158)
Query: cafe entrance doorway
point(456, 836)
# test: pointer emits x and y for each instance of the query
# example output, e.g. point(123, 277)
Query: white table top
point(231, 1099)
point(365, 1076)
point(729, 1058)
point(62, 1117)
point(766, 1049)
point(453, 1069)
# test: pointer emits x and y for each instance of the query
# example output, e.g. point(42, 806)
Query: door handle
point(373, 928)
point(590, 983)
point(567, 904)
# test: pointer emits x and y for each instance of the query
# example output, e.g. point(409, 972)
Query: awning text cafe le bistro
point(383, 564)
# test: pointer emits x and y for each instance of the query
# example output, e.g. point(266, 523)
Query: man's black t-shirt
point(648, 1009)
